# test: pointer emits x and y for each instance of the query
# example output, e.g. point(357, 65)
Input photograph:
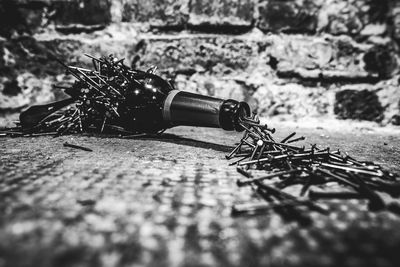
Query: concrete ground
point(166, 202)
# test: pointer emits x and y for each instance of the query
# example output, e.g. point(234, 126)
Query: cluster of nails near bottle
point(94, 104)
point(288, 165)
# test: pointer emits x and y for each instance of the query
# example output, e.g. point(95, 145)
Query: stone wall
point(288, 58)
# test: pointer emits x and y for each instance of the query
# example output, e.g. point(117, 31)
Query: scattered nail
point(66, 144)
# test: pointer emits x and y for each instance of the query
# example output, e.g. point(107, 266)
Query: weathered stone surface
point(30, 16)
point(374, 30)
point(221, 13)
point(389, 96)
point(376, 102)
point(29, 64)
point(382, 60)
point(331, 59)
point(157, 13)
point(288, 16)
point(26, 54)
point(225, 88)
point(197, 53)
point(26, 89)
point(292, 100)
point(18, 17)
point(86, 12)
point(359, 105)
point(350, 17)
point(27, 72)
point(396, 20)
point(328, 76)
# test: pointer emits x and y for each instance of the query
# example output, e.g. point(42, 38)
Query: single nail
point(237, 161)
point(350, 169)
point(66, 144)
point(297, 139)
point(288, 137)
point(230, 155)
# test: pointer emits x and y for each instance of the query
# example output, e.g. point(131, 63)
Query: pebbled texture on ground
point(166, 201)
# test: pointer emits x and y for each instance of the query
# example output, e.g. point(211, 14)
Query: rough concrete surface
point(166, 201)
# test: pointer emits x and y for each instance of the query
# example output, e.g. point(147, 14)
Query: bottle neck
point(185, 108)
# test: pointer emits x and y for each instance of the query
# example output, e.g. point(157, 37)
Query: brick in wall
point(395, 15)
point(358, 104)
point(221, 13)
point(17, 16)
point(157, 13)
point(288, 16)
point(351, 17)
point(86, 12)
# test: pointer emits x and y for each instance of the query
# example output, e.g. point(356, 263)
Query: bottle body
point(115, 98)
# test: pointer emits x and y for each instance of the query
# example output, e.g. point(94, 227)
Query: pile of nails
point(97, 103)
point(271, 167)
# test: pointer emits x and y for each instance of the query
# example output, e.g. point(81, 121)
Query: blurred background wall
point(288, 58)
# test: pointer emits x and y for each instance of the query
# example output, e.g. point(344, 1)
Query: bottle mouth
point(230, 113)
point(242, 112)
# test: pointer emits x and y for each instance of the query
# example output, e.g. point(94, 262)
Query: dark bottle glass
point(157, 105)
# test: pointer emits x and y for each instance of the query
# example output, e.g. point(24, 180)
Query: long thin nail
point(288, 137)
point(66, 144)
